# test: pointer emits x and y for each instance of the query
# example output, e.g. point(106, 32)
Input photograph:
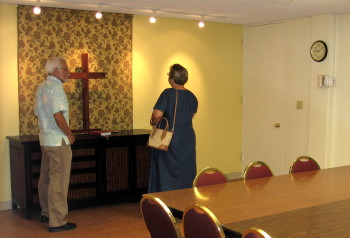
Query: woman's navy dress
point(175, 168)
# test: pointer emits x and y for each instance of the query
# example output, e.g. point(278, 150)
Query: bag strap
point(175, 110)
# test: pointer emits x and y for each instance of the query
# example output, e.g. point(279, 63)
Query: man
point(52, 110)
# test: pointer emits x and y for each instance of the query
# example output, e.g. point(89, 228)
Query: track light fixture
point(37, 9)
point(98, 14)
point(153, 18)
point(201, 23)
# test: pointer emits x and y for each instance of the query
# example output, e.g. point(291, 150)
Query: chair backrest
point(209, 176)
point(257, 169)
point(255, 233)
point(159, 220)
point(303, 164)
point(200, 222)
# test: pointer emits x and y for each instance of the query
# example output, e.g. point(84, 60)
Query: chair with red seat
point(303, 164)
point(209, 176)
point(200, 222)
point(159, 220)
point(257, 169)
point(255, 233)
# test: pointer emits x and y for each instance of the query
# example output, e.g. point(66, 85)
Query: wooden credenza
point(104, 170)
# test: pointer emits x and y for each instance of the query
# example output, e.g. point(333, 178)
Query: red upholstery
point(303, 164)
point(256, 170)
point(199, 222)
point(251, 235)
point(209, 176)
point(159, 220)
point(255, 233)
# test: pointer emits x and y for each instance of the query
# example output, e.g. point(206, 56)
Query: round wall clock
point(318, 51)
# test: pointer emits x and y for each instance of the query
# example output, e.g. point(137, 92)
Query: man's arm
point(63, 125)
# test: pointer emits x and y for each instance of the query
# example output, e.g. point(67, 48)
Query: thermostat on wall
point(325, 81)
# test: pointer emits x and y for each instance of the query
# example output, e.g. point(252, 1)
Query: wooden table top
point(243, 200)
point(323, 221)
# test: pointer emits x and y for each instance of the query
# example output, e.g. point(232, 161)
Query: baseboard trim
point(234, 176)
point(5, 205)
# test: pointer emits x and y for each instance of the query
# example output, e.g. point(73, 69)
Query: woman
point(175, 168)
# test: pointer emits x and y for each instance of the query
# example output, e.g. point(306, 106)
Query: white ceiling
point(244, 12)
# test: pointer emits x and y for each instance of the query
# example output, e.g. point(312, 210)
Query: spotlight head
point(152, 19)
point(37, 10)
point(201, 24)
point(98, 15)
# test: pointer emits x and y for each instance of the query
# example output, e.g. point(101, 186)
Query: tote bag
point(160, 138)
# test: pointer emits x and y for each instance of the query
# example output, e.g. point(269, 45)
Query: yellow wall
point(8, 92)
point(213, 57)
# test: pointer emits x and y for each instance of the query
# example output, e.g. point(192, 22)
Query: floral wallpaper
point(69, 33)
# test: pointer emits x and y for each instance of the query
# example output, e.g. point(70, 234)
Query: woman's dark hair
point(179, 74)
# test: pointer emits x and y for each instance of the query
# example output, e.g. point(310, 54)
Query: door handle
point(277, 125)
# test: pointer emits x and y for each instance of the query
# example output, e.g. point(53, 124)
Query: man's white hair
point(53, 63)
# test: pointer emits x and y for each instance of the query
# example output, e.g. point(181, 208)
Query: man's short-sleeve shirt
point(50, 99)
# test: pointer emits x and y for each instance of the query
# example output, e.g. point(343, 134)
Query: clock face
point(318, 51)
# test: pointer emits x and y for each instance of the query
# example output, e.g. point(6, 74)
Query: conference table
point(307, 204)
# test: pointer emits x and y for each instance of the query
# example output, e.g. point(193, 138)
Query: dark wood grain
point(104, 169)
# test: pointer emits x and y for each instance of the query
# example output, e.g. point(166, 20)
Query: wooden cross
point(85, 75)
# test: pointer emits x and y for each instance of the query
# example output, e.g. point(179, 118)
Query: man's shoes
point(67, 227)
point(44, 219)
